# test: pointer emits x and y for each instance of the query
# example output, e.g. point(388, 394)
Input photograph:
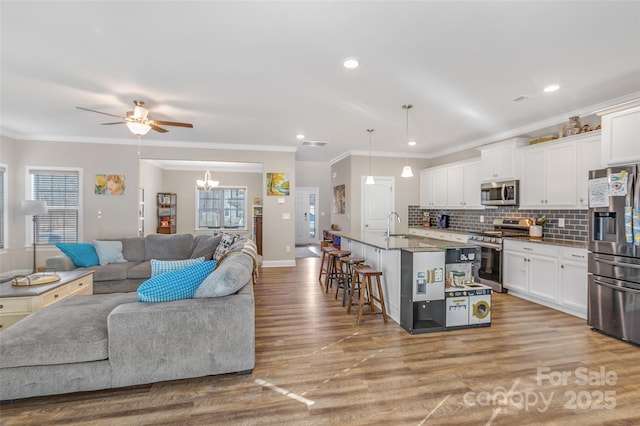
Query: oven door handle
point(609, 262)
point(496, 248)
point(615, 287)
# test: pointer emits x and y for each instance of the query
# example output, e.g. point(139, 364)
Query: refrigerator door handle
point(615, 287)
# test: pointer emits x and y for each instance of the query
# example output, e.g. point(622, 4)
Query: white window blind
point(221, 208)
point(61, 190)
point(3, 203)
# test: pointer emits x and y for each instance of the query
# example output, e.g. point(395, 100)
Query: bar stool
point(346, 281)
point(367, 272)
point(324, 262)
point(333, 271)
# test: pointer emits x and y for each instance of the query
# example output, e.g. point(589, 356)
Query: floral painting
point(277, 184)
point(339, 199)
point(109, 184)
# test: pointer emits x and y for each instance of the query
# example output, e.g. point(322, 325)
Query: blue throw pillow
point(174, 285)
point(83, 255)
point(161, 266)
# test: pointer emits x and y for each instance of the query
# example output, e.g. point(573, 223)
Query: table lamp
point(34, 208)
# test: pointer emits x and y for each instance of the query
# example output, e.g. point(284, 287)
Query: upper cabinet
point(554, 175)
point(621, 133)
point(452, 186)
point(498, 160)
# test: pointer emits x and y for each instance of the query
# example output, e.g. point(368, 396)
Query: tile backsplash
point(575, 221)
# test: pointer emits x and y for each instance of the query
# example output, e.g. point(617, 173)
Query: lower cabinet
point(388, 262)
point(550, 275)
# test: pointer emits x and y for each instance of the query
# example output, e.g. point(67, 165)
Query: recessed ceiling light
point(300, 136)
point(551, 88)
point(412, 143)
point(351, 63)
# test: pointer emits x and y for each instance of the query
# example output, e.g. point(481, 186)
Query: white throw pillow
point(109, 251)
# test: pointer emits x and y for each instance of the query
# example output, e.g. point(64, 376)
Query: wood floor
point(315, 366)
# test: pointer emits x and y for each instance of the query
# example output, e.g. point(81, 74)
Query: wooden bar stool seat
point(333, 267)
point(345, 283)
point(366, 272)
point(324, 262)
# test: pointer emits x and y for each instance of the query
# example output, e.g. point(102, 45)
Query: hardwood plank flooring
point(316, 366)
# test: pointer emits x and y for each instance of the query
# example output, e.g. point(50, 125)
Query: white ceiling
point(251, 75)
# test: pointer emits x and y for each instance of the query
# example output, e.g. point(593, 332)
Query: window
point(61, 190)
point(221, 208)
point(3, 203)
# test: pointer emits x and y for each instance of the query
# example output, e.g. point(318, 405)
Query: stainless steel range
point(490, 243)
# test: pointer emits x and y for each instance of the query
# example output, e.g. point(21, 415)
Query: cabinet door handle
point(578, 256)
point(562, 266)
point(527, 248)
point(1, 306)
point(55, 295)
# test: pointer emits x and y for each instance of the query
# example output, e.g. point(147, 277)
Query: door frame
point(316, 191)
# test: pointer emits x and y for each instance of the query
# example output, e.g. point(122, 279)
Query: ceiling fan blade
point(117, 122)
point(99, 112)
point(173, 123)
point(158, 129)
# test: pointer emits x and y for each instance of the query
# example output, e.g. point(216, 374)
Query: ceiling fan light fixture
point(138, 129)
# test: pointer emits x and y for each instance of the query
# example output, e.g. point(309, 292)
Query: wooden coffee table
point(18, 302)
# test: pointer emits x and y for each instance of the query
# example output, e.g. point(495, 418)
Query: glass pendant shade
point(407, 172)
point(369, 180)
point(138, 129)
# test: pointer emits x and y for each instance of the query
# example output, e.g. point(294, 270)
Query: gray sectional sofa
point(138, 251)
point(111, 340)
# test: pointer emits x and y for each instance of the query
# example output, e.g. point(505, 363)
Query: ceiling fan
point(139, 121)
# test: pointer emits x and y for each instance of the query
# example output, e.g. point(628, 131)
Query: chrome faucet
point(389, 222)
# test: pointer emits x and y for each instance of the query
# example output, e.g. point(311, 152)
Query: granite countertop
point(404, 242)
point(435, 228)
point(554, 242)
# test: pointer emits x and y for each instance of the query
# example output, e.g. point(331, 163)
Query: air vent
point(314, 143)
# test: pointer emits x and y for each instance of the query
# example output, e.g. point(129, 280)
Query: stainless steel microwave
point(503, 193)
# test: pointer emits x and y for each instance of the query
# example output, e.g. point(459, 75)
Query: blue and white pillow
point(175, 285)
point(161, 266)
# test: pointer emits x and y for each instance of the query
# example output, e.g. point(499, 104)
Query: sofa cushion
point(174, 285)
point(223, 247)
point(82, 254)
point(168, 247)
point(141, 270)
point(233, 274)
point(69, 331)
point(133, 248)
point(205, 245)
point(109, 251)
point(113, 271)
point(161, 266)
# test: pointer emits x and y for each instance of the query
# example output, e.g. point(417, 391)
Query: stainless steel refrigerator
point(614, 251)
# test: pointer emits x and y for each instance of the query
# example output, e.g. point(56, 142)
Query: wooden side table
point(18, 302)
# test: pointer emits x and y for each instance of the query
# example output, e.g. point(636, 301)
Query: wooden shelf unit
point(167, 205)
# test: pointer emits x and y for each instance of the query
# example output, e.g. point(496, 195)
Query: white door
point(377, 202)
point(306, 221)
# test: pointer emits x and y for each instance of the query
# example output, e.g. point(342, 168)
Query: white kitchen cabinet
point(621, 133)
point(426, 188)
point(572, 280)
point(498, 160)
point(433, 188)
point(439, 188)
point(547, 274)
point(452, 186)
point(548, 175)
point(588, 147)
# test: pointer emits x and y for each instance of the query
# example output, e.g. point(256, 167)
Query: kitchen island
point(385, 255)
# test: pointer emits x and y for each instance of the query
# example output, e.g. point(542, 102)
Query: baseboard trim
point(278, 263)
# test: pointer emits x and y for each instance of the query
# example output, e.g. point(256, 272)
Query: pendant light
point(370, 180)
point(406, 170)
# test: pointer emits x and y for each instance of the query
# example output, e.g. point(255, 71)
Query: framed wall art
point(339, 199)
point(109, 184)
point(277, 184)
